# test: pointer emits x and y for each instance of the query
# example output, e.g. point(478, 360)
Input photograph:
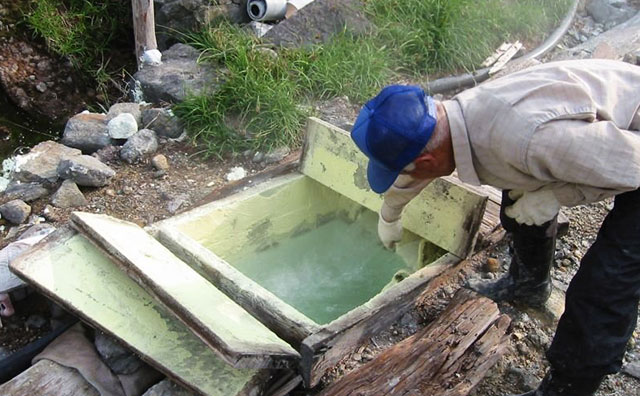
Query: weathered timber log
point(448, 357)
point(324, 349)
point(48, 378)
point(144, 29)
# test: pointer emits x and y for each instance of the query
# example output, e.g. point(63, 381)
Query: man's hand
point(531, 208)
point(389, 232)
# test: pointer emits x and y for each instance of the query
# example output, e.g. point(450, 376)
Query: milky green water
point(327, 271)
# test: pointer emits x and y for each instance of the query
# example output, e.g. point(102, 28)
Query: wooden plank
point(467, 333)
point(69, 269)
point(444, 214)
point(46, 378)
point(238, 337)
point(491, 217)
point(321, 351)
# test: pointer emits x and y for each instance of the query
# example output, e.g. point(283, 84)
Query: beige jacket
point(571, 127)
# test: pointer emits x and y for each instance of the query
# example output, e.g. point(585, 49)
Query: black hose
point(470, 79)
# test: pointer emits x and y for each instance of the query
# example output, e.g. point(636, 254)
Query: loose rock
point(236, 173)
point(142, 143)
point(276, 155)
point(167, 388)
point(610, 12)
point(119, 359)
point(86, 171)
point(27, 192)
point(123, 126)
point(36, 322)
point(108, 153)
point(68, 196)
point(16, 211)
point(87, 132)
point(180, 73)
point(41, 163)
point(163, 122)
point(122, 108)
point(160, 162)
point(492, 265)
point(318, 22)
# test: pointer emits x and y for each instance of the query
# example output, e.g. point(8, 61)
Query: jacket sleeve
point(403, 190)
point(584, 161)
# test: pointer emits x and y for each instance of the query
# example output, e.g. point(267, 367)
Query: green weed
point(83, 31)
point(260, 103)
point(428, 36)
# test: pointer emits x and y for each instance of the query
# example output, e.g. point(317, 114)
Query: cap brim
point(380, 178)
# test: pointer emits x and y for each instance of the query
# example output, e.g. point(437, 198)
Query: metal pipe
point(478, 76)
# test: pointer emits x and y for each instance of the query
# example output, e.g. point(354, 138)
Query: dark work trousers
point(602, 300)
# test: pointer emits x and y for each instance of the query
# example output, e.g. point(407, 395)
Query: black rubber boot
point(556, 385)
point(528, 280)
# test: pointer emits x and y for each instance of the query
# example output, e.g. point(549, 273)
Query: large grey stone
point(163, 122)
point(119, 359)
point(192, 15)
point(87, 132)
point(120, 108)
point(27, 192)
point(618, 42)
point(123, 126)
point(610, 12)
point(179, 75)
point(16, 211)
point(276, 155)
point(167, 388)
point(318, 22)
point(68, 196)
point(86, 171)
point(142, 143)
point(41, 163)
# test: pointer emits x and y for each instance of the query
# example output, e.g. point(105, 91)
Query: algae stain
point(360, 178)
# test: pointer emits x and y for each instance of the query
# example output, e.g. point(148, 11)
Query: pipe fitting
point(266, 10)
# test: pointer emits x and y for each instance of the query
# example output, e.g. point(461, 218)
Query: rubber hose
point(470, 79)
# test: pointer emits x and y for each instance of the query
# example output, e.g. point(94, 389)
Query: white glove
point(389, 232)
point(531, 208)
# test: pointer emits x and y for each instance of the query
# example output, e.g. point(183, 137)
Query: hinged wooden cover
point(73, 272)
point(226, 327)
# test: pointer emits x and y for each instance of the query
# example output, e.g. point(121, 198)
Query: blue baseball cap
point(392, 129)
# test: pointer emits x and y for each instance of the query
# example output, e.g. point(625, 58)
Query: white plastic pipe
point(266, 10)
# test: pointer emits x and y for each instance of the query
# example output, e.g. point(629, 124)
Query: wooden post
point(143, 27)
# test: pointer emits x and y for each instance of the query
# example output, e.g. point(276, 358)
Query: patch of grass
point(446, 35)
point(349, 66)
point(258, 105)
point(83, 31)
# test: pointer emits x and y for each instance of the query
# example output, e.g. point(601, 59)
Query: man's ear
point(425, 159)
